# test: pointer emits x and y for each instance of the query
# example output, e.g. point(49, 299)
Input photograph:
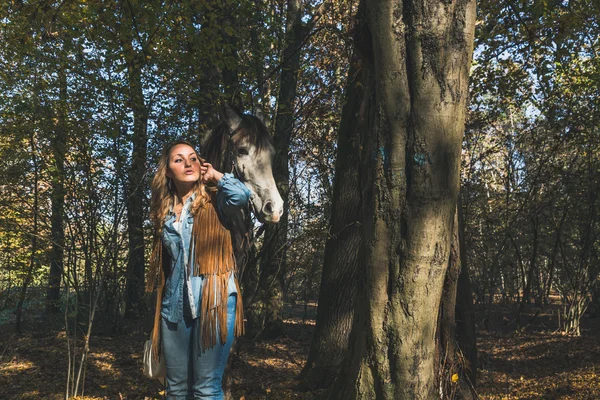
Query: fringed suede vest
point(212, 254)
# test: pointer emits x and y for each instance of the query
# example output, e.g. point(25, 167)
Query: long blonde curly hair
point(164, 193)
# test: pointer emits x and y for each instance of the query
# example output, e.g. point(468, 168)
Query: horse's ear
point(258, 112)
point(231, 117)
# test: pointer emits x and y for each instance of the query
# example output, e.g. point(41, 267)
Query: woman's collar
point(188, 200)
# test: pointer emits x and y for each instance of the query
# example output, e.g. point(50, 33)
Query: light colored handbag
point(152, 368)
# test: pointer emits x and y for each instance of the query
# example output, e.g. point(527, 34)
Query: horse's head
point(242, 144)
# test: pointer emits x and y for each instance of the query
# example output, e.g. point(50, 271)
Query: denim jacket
point(183, 292)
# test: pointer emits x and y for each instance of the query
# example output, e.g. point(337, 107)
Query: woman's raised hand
point(208, 174)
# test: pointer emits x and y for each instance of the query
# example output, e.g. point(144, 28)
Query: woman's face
point(184, 165)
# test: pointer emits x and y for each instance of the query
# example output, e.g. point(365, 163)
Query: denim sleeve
point(232, 195)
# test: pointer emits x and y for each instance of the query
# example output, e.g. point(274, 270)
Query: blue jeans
point(191, 373)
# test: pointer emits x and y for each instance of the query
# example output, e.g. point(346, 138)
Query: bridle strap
point(234, 166)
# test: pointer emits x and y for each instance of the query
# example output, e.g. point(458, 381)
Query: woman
point(198, 307)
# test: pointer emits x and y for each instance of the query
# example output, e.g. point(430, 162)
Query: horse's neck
point(241, 222)
point(242, 237)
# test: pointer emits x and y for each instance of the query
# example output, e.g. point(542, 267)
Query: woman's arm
point(232, 194)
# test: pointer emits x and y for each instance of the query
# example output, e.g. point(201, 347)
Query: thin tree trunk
point(137, 171)
point(257, 63)
point(548, 284)
point(521, 271)
point(268, 319)
point(583, 278)
point(456, 344)
point(458, 353)
point(57, 233)
point(231, 83)
point(421, 56)
point(33, 260)
point(204, 71)
point(465, 310)
point(530, 273)
point(447, 360)
point(337, 292)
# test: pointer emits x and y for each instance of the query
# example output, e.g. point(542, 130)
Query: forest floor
point(534, 362)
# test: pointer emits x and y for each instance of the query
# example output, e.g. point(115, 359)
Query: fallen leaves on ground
point(538, 364)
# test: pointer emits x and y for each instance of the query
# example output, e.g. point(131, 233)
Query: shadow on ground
point(531, 363)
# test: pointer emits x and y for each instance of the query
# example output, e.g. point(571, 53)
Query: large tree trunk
point(57, 233)
point(337, 292)
point(266, 315)
point(410, 175)
point(137, 170)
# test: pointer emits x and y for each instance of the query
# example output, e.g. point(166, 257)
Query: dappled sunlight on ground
point(531, 364)
point(15, 365)
point(299, 321)
point(542, 364)
point(34, 366)
point(269, 369)
point(103, 361)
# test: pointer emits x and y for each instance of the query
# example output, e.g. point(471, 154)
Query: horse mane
point(215, 145)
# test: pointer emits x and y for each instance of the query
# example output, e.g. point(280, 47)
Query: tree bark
point(548, 285)
point(531, 273)
point(456, 329)
point(337, 293)
point(33, 260)
point(57, 233)
point(465, 310)
point(135, 199)
point(204, 59)
point(265, 316)
point(231, 85)
point(410, 179)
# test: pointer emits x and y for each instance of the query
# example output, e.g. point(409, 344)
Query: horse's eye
point(243, 151)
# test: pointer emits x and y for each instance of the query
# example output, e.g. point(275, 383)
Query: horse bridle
point(234, 166)
point(236, 173)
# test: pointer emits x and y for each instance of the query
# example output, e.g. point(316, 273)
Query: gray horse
point(241, 144)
